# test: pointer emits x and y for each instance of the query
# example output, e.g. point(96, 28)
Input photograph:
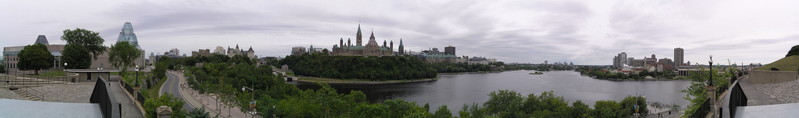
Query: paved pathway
point(194, 99)
point(129, 108)
point(172, 86)
point(8, 94)
point(755, 97)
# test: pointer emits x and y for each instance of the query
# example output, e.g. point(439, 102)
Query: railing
point(703, 110)
point(108, 104)
point(737, 98)
point(139, 97)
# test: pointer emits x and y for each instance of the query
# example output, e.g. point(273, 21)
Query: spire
point(373, 35)
point(384, 43)
point(401, 48)
point(359, 30)
point(41, 40)
point(341, 42)
point(250, 49)
point(348, 42)
point(358, 36)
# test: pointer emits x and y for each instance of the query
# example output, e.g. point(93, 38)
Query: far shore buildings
point(631, 65)
point(370, 49)
point(230, 52)
point(101, 62)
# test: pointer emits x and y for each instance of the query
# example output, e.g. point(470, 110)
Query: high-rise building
point(616, 62)
point(173, 52)
point(449, 50)
point(623, 58)
point(679, 57)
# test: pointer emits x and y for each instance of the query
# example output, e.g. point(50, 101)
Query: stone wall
point(767, 77)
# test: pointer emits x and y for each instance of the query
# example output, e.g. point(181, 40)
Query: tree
point(88, 39)
point(794, 51)
point(172, 102)
point(76, 57)
point(160, 70)
point(2, 68)
point(607, 109)
point(123, 54)
point(198, 113)
point(35, 57)
point(442, 112)
point(503, 101)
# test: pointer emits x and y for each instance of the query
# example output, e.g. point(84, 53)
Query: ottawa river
point(455, 90)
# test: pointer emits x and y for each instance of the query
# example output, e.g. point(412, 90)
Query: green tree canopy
point(35, 57)
point(76, 57)
point(3, 67)
point(442, 112)
point(88, 39)
point(123, 54)
point(794, 51)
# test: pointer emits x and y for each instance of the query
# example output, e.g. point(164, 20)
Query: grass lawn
point(290, 74)
point(58, 73)
point(153, 91)
point(790, 63)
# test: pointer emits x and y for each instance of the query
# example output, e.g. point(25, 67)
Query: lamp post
point(65, 71)
point(711, 90)
point(136, 85)
point(252, 102)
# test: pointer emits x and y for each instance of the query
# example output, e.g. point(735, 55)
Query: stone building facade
point(372, 48)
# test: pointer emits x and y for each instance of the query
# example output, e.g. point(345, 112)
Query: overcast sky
point(527, 31)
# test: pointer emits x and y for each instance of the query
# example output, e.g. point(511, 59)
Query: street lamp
point(65, 71)
point(711, 90)
point(136, 85)
point(252, 102)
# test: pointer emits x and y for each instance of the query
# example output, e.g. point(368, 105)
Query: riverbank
point(332, 81)
point(654, 79)
point(478, 72)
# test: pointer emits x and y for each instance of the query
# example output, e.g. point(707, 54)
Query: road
point(172, 86)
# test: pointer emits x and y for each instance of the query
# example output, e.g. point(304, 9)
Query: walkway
point(194, 99)
point(129, 107)
point(172, 86)
point(756, 97)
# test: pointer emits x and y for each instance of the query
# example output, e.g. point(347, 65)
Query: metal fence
point(703, 110)
point(139, 97)
point(737, 98)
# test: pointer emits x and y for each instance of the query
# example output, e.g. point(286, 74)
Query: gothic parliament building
point(370, 49)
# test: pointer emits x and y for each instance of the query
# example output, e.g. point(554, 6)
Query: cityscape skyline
point(583, 32)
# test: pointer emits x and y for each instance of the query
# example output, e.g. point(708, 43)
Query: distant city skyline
point(524, 31)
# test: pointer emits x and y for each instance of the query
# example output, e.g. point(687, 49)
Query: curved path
point(172, 86)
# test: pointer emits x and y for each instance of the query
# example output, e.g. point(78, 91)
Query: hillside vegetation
point(790, 63)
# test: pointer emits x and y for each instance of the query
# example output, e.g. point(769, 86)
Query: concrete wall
point(767, 77)
point(82, 77)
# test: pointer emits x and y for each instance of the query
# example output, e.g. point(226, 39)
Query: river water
point(455, 90)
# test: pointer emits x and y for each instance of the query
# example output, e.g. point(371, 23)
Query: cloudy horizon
point(525, 31)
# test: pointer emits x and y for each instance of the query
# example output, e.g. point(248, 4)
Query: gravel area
point(73, 93)
point(786, 92)
point(8, 94)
